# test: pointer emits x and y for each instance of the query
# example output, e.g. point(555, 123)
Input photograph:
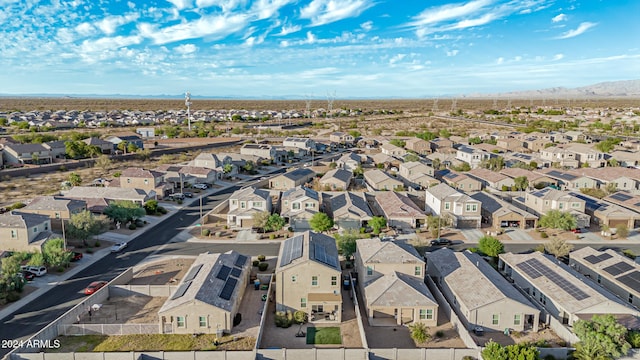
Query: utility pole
point(201, 218)
point(64, 237)
point(187, 102)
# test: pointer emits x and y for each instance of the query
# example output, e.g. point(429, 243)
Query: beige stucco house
point(380, 180)
point(56, 208)
point(244, 203)
point(147, 180)
point(445, 201)
point(23, 232)
point(291, 179)
point(308, 277)
point(298, 205)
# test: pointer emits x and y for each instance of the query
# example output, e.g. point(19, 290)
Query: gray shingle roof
point(16, 219)
point(398, 289)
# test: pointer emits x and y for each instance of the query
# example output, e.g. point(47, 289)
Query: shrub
point(89, 251)
point(179, 202)
point(539, 248)
point(206, 232)
point(255, 262)
point(543, 235)
point(96, 244)
point(13, 296)
point(282, 319)
point(60, 269)
point(439, 333)
point(132, 226)
point(262, 257)
point(162, 210)
point(263, 266)
point(272, 236)
point(473, 249)
point(634, 338)
point(629, 253)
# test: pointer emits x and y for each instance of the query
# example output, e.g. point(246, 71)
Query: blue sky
point(288, 48)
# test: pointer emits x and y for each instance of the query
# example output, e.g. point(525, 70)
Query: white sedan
point(119, 246)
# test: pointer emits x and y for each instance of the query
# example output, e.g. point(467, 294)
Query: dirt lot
point(163, 272)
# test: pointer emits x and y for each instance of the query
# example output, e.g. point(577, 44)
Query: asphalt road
point(33, 316)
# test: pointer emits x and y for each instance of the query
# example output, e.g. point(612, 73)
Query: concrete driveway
point(472, 235)
point(246, 235)
point(591, 237)
point(519, 235)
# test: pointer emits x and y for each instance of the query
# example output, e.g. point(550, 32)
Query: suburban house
point(132, 138)
point(298, 205)
point(244, 203)
point(392, 150)
point(380, 180)
point(307, 145)
point(105, 147)
point(534, 143)
point(146, 132)
point(209, 296)
point(309, 277)
point(560, 156)
point(542, 201)
point(447, 202)
point(563, 293)
point(385, 161)
point(182, 175)
point(418, 146)
point(616, 272)
point(399, 210)
point(626, 200)
point(97, 198)
point(147, 180)
point(605, 213)
point(491, 179)
point(291, 179)
point(56, 208)
point(443, 145)
point(492, 304)
point(336, 180)
point(627, 158)
point(57, 149)
point(533, 178)
point(26, 154)
point(391, 280)
point(510, 144)
point(24, 231)
point(460, 181)
point(587, 155)
point(516, 159)
point(349, 210)
point(621, 178)
point(349, 161)
point(577, 136)
point(417, 175)
point(567, 179)
point(342, 138)
point(501, 214)
point(472, 156)
point(264, 151)
point(215, 162)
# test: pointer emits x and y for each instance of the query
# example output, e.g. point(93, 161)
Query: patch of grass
point(151, 342)
point(323, 336)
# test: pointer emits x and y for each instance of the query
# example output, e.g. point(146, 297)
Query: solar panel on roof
point(618, 268)
point(235, 272)
point(223, 273)
point(604, 256)
point(537, 268)
point(292, 250)
point(621, 196)
point(192, 273)
point(320, 253)
point(592, 259)
point(240, 261)
point(632, 280)
point(181, 290)
point(229, 287)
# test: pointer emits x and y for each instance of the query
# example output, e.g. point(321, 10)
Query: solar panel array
point(631, 279)
point(193, 272)
point(223, 273)
point(618, 268)
point(228, 288)
point(292, 250)
point(620, 196)
point(236, 272)
point(181, 290)
point(590, 203)
point(240, 261)
point(540, 193)
point(534, 269)
point(320, 253)
point(450, 175)
point(596, 259)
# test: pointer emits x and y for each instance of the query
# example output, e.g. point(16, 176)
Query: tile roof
point(487, 175)
point(387, 252)
point(54, 203)
point(396, 205)
point(350, 205)
point(340, 174)
point(398, 289)
point(16, 219)
point(499, 207)
point(309, 246)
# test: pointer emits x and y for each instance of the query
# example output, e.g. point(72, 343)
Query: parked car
point(188, 194)
point(94, 286)
point(178, 196)
point(28, 275)
point(576, 231)
point(440, 242)
point(200, 186)
point(37, 270)
point(119, 246)
point(478, 330)
point(76, 256)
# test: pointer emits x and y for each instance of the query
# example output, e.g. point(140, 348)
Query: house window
point(317, 308)
point(429, 314)
point(516, 319)
point(128, 180)
point(257, 204)
point(599, 279)
point(447, 206)
point(303, 302)
point(575, 205)
point(243, 205)
point(309, 205)
point(630, 298)
point(369, 270)
point(295, 206)
point(46, 227)
point(35, 229)
point(57, 215)
point(181, 321)
point(234, 202)
point(423, 314)
point(314, 281)
point(334, 280)
point(202, 320)
point(146, 181)
point(294, 278)
point(495, 319)
point(418, 270)
point(560, 206)
point(14, 234)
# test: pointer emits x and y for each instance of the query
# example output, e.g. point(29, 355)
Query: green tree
point(321, 222)
point(622, 231)
point(346, 243)
point(607, 145)
point(490, 246)
point(522, 351)
point(103, 162)
point(601, 331)
point(84, 224)
point(124, 211)
point(377, 223)
point(433, 224)
point(397, 142)
point(151, 207)
point(419, 332)
point(74, 179)
point(355, 133)
point(300, 317)
point(275, 222)
point(36, 259)
point(521, 183)
point(494, 351)
point(558, 247)
point(332, 165)
point(358, 171)
point(9, 275)
point(557, 219)
point(260, 219)
point(131, 148)
point(227, 168)
point(55, 254)
point(249, 167)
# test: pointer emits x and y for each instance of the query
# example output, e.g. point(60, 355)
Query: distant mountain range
point(625, 88)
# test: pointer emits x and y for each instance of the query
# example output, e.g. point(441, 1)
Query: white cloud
point(185, 49)
point(181, 4)
point(453, 52)
point(214, 27)
point(579, 31)
point(397, 58)
point(558, 57)
point(108, 43)
point(109, 24)
point(289, 29)
point(266, 9)
point(84, 28)
point(367, 26)
point(559, 17)
point(448, 12)
point(500, 60)
point(225, 5)
point(322, 12)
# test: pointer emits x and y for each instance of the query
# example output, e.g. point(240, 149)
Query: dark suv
point(440, 242)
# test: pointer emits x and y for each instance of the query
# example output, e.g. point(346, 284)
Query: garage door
point(246, 223)
point(300, 224)
point(349, 224)
point(467, 224)
point(614, 223)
